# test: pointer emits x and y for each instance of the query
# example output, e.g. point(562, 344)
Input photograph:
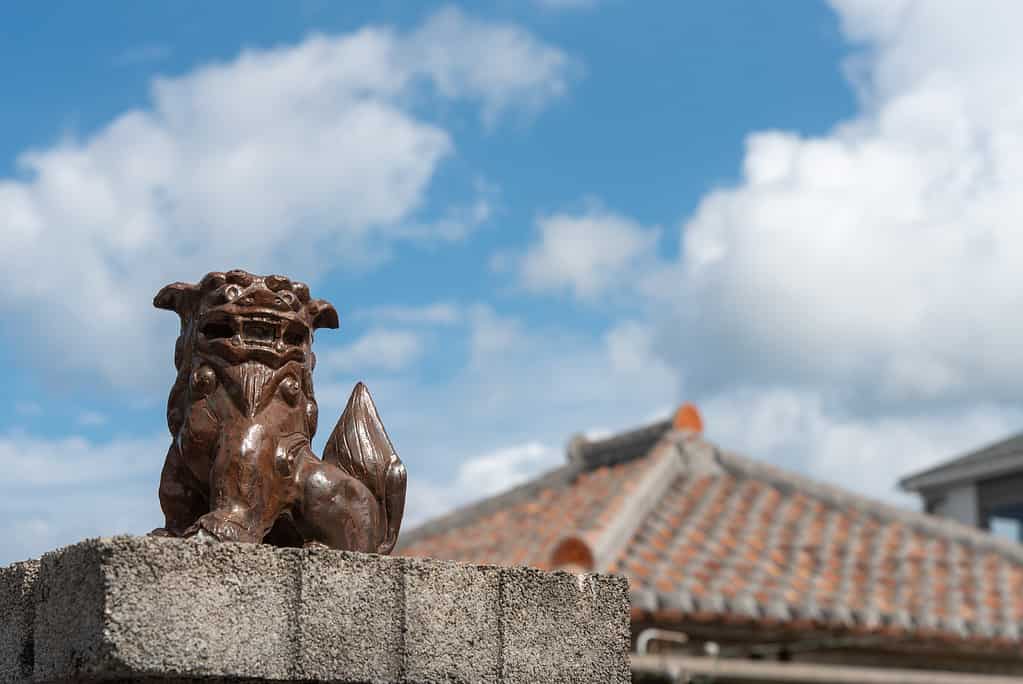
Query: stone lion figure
point(242, 413)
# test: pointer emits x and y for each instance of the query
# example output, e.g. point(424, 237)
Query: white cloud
point(478, 478)
point(507, 467)
point(38, 462)
point(456, 223)
point(884, 255)
point(517, 384)
point(846, 310)
point(531, 389)
point(799, 430)
point(291, 159)
point(58, 491)
point(630, 348)
point(587, 254)
point(555, 381)
point(502, 65)
point(438, 313)
point(378, 349)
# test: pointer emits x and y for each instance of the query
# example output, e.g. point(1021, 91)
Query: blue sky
point(535, 219)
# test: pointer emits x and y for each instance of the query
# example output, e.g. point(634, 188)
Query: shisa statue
point(242, 413)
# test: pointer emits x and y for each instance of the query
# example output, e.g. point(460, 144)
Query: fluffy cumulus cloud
point(377, 349)
point(439, 313)
point(478, 477)
point(586, 254)
point(886, 254)
point(550, 381)
point(862, 284)
point(799, 429)
point(56, 492)
point(517, 385)
point(500, 65)
point(228, 162)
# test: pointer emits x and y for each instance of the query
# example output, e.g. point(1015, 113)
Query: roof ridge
point(619, 447)
point(841, 497)
point(629, 508)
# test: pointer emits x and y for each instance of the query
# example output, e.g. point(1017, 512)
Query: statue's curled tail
point(359, 445)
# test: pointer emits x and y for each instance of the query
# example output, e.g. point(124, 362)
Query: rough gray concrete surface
point(150, 609)
point(17, 606)
point(560, 627)
point(350, 616)
point(451, 611)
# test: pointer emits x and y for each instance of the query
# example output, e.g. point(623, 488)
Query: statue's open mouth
point(254, 332)
point(259, 333)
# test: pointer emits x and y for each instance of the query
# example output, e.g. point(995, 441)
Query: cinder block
point(147, 606)
point(452, 622)
point(350, 617)
point(150, 609)
point(17, 605)
point(561, 627)
point(69, 614)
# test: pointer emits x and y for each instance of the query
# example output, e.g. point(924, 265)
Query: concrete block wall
point(138, 609)
point(17, 608)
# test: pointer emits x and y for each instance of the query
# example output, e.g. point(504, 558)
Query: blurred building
point(742, 572)
point(983, 488)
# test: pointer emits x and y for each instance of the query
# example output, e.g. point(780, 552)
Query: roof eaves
point(680, 606)
point(988, 461)
point(741, 669)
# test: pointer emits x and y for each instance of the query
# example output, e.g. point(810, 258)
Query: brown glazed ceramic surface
point(242, 413)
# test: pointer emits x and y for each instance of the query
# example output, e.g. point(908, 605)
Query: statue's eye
point(231, 292)
point(295, 335)
point(217, 330)
point(287, 297)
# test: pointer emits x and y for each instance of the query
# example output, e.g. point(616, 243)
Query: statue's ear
point(177, 297)
point(323, 314)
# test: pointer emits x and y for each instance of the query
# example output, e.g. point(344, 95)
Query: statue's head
point(240, 317)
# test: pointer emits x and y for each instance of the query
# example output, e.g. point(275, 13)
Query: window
point(1007, 528)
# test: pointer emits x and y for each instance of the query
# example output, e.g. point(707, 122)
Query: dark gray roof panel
point(995, 459)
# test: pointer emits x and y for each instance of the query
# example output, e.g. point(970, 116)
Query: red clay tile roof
point(712, 536)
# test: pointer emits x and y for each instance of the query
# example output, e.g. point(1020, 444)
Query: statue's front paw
point(162, 532)
point(214, 527)
point(203, 536)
